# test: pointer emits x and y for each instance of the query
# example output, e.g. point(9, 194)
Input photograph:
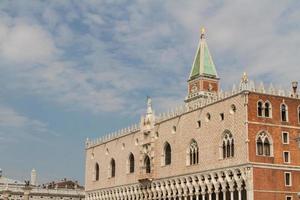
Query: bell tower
point(203, 81)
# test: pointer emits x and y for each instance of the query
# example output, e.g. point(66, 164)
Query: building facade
point(11, 189)
point(237, 145)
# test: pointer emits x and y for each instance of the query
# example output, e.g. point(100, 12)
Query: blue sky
point(76, 69)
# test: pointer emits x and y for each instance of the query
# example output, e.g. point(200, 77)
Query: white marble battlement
point(244, 86)
point(111, 136)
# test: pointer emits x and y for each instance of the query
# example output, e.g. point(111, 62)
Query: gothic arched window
point(147, 164)
point(263, 144)
point(193, 153)
point(268, 109)
point(131, 163)
point(228, 145)
point(284, 112)
point(267, 147)
point(97, 172)
point(167, 153)
point(260, 109)
point(259, 146)
point(113, 167)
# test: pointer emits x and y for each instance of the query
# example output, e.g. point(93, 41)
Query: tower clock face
point(194, 88)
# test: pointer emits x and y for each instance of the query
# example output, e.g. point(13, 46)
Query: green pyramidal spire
point(203, 64)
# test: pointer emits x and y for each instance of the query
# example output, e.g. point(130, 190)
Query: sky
point(71, 70)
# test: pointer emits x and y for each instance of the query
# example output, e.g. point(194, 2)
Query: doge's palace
point(242, 144)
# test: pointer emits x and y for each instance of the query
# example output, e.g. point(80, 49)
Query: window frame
point(164, 157)
point(262, 108)
point(97, 172)
point(227, 145)
point(131, 163)
point(290, 179)
point(269, 110)
point(112, 168)
point(288, 137)
point(289, 157)
point(270, 140)
point(286, 112)
point(193, 153)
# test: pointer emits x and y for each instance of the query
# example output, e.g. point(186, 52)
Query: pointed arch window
point(147, 164)
point(228, 145)
point(131, 163)
point(112, 168)
point(167, 154)
point(96, 172)
point(193, 153)
point(263, 144)
point(284, 112)
point(260, 109)
point(268, 109)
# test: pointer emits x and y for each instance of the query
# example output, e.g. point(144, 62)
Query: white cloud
point(25, 43)
point(102, 58)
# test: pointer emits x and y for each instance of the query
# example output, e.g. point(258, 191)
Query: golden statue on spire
point(245, 78)
point(202, 32)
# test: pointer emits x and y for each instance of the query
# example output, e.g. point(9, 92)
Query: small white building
point(11, 189)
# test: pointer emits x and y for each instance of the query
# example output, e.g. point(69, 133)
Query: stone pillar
point(203, 195)
point(179, 189)
point(231, 189)
point(247, 175)
point(224, 193)
point(217, 194)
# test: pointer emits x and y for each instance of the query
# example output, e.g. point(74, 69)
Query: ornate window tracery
point(193, 153)
point(228, 145)
point(264, 109)
point(263, 144)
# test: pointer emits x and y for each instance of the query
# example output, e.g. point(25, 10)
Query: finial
point(202, 32)
point(245, 78)
point(149, 105)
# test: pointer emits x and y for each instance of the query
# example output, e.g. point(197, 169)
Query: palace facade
point(237, 145)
